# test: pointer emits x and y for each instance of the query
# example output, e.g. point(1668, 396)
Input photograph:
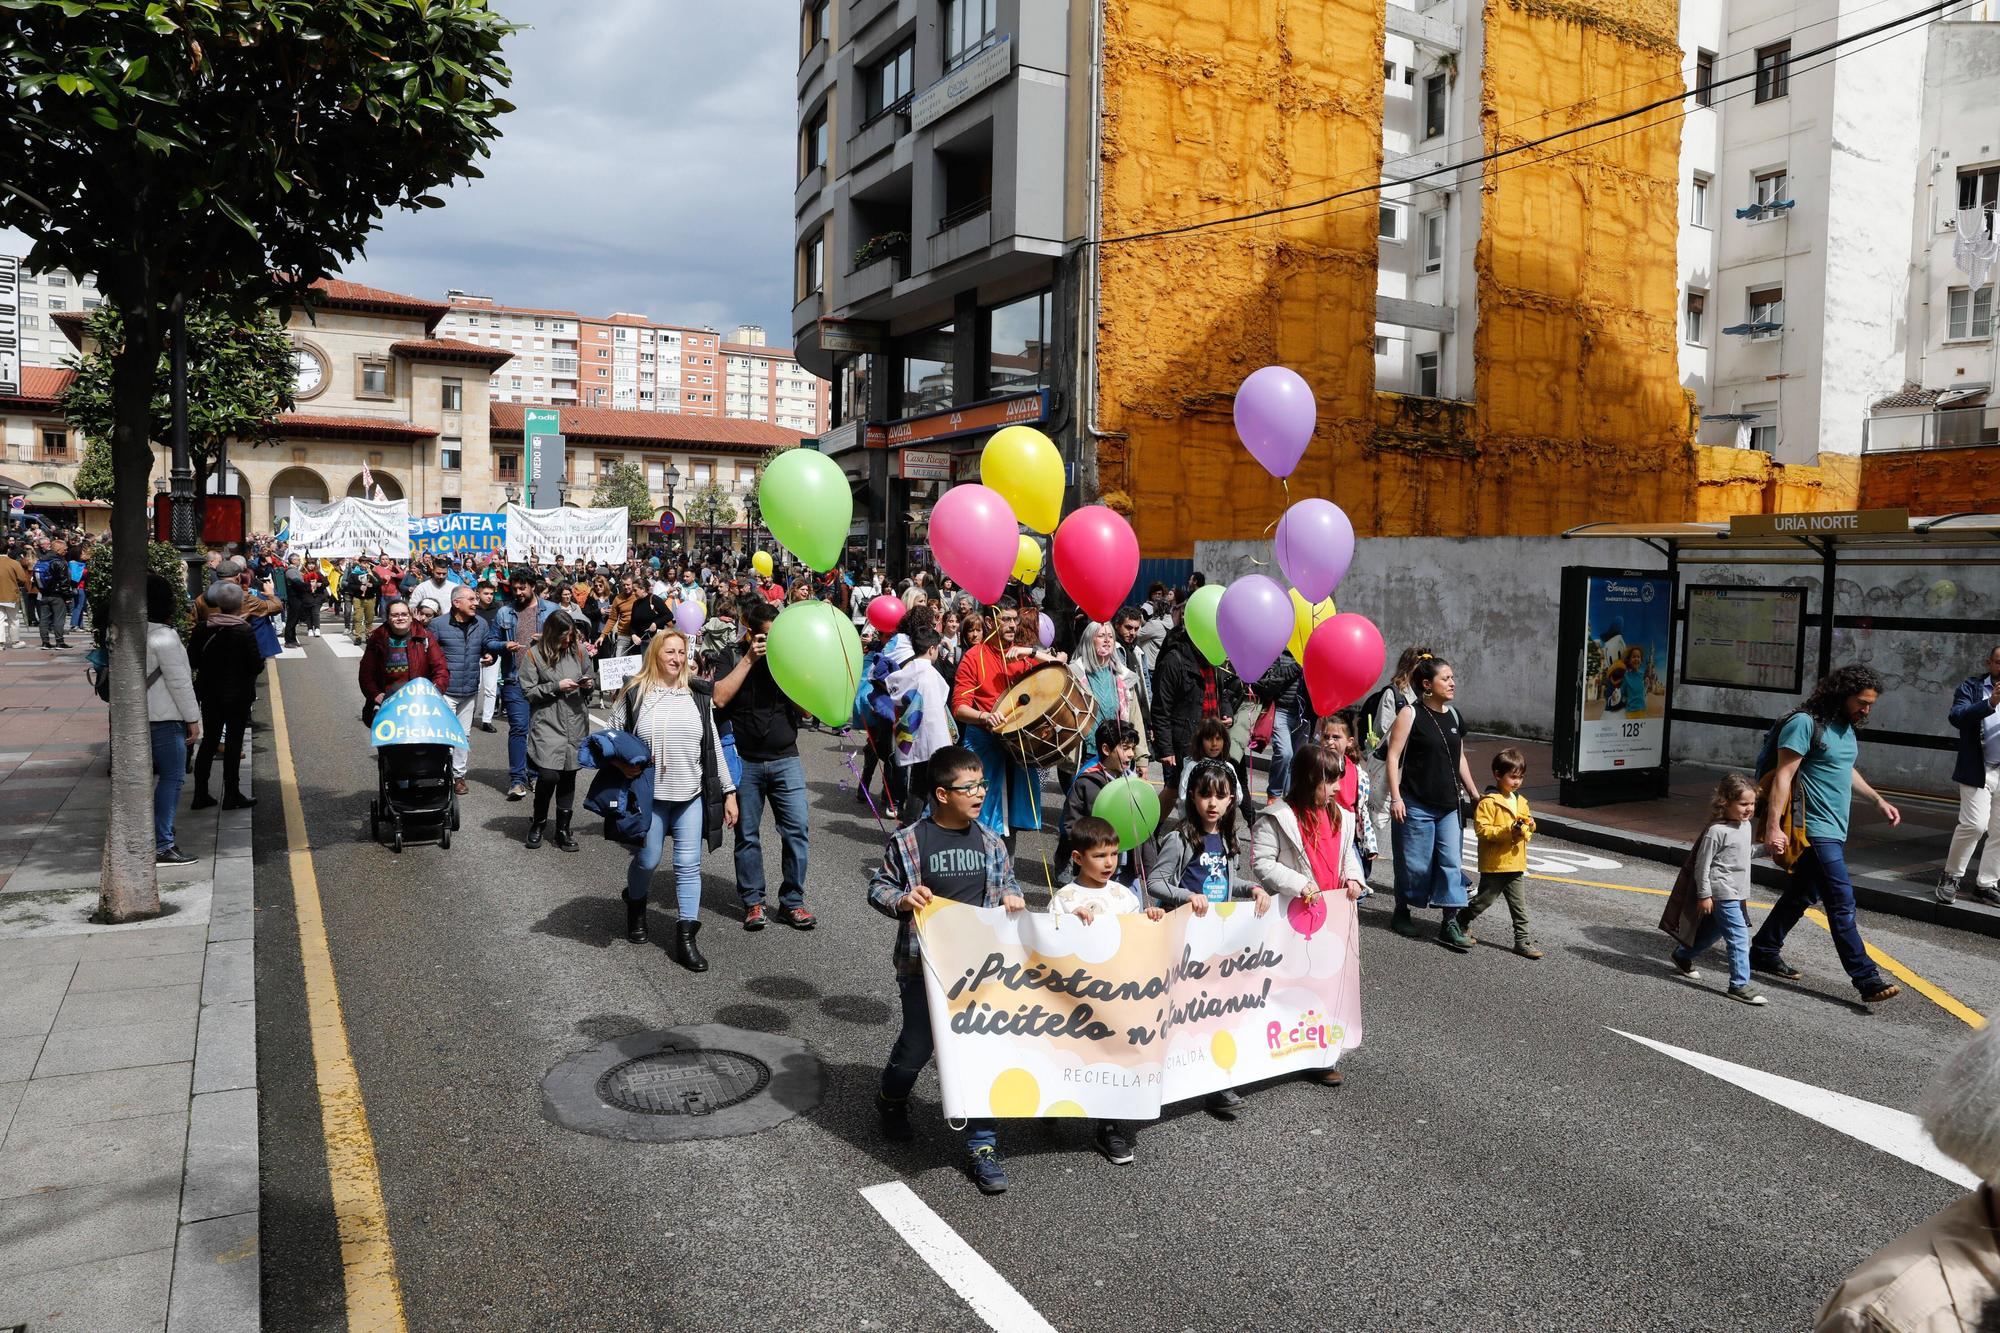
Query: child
point(948, 854)
point(1195, 862)
point(1504, 826)
point(1365, 845)
point(923, 713)
point(1211, 741)
point(1089, 894)
point(1117, 753)
point(1721, 860)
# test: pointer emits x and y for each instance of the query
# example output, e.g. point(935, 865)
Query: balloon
point(1022, 464)
point(973, 536)
point(1097, 559)
point(1254, 622)
point(1307, 917)
point(761, 562)
point(1199, 617)
point(1274, 418)
point(1315, 545)
point(1048, 631)
point(688, 617)
point(815, 657)
point(1344, 659)
point(886, 612)
point(1306, 617)
point(1028, 562)
point(1130, 805)
point(808, 505)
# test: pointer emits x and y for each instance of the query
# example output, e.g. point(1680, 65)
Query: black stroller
point(414, 795)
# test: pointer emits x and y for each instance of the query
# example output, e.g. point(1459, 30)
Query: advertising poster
point(1629, 627)
point(1745, 638)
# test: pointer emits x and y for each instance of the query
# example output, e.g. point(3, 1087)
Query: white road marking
point(1884, 1128)
point(991, 1297)
point(1545, 860)
point(341, 646)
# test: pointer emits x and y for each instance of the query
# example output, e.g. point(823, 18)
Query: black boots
point(236, 800)
point(685, 952)
point(534, 839)
point(202, 800)
point(563, 837)
point(635, 921)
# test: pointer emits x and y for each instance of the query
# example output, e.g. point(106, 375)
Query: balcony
point(809, 188)
point(1946, 428)
point(962, 232)
point(810, 66)
point(874, 278)
point(879, 135)
point(861, 13)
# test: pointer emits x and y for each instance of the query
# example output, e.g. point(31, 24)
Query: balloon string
point(1286, 483)
point(862, 786)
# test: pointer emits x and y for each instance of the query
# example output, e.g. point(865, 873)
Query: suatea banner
point(568, 533)
point(1040, 1015)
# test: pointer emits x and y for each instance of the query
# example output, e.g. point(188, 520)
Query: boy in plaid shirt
point(947, 854)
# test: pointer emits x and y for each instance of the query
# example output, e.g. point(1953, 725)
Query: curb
point(1914, 905)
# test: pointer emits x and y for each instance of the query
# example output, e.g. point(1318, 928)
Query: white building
point(44, 294)
point(544, 343)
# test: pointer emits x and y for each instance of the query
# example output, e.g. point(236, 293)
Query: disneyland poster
point(1624, 694)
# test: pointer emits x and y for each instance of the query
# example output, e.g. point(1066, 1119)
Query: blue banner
point(417, 714)
point(458, 534)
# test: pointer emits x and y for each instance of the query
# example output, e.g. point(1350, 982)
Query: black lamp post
point(750, 515)
point(673, 480)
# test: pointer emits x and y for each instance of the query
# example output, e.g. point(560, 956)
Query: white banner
point(568, 534)
point(351, 526)
point(613, 672)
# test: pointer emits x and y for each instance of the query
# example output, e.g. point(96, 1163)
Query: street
point(1501, 1155)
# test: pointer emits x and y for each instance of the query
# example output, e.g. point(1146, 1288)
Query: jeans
point(1975, 818)
point(912, 1051)
point(222, 726)
point(783, 783)
point(681, 819)
point(170, 761)
point(76, 612)
point(52, 617)
point(1820, 876)
point(1428, 845)
point(1728, 921)
point(489, 690)
point(461, 755)
point(515, 705)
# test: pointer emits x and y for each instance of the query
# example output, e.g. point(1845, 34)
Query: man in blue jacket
point(462, 635)
point(515, 627)
point(1977, 773)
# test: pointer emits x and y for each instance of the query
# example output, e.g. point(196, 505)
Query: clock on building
point(311, 373)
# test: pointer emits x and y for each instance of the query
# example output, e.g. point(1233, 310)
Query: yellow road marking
point(368, 1260)
point(1937, 995)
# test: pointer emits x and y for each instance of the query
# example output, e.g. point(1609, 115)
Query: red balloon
point(1097, 559)
point(1344, 659)
point(886, 612)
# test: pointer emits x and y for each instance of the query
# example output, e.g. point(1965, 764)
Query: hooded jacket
point(626, 803)
point(1177, 695)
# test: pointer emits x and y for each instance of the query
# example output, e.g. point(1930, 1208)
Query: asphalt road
point(1500, 1157)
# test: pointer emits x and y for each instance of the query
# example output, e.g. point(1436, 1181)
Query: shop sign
point(972, 419)
point(1847, 523)
point(852, 335)
point(963, 84)
point(925, 464)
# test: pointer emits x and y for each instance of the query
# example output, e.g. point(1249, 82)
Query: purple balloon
point(688, 617)
point(1274, 418)
point(1315, 545)
point(1047, 630)
point(1254, 621)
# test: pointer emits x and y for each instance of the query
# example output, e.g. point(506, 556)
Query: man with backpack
point(52, 595)
point(1806, 785)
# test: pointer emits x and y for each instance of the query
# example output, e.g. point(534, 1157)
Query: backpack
point(1792, 822)
point(1373, 741)
point(52, 578)
point(97, 670)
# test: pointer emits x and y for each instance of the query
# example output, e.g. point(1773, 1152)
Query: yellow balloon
point(1222, 1050)
point(1022, 464)
point(1028, 564)
point(761, 562)
point(1014, 1093)
point(1305, 619)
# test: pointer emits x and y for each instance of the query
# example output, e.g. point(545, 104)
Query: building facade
point(42, 296)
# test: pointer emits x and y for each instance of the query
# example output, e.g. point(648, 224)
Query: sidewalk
point(128, 1057)
point(1893, 868)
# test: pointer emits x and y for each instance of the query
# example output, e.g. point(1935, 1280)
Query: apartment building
point(43, 295)
point(543, 367)
point(768, 384)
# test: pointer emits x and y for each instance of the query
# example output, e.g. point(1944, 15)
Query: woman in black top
point(1427, 770)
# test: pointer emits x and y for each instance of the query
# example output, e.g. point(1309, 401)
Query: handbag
point(267, 637)
point(1260, 731)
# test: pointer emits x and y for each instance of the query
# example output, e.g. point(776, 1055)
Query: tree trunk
point(128, 884)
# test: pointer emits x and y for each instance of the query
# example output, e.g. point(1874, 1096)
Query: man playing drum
point(1013, 790)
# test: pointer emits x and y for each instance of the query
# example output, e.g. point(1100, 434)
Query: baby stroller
point(413, 795)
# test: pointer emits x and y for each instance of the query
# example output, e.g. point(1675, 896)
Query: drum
point(1045, 717)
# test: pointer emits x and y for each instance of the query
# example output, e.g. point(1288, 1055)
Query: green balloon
point(1130, 805)
point(1200, 620)
point(815, 657)
point(808, 505)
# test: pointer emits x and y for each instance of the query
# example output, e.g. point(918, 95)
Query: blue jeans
point(1728, 921)
point(515, 705)
point(1428, 845)
point(76, 612)
point(783, 783)
point(1820, 877)
point(681, 820)
point(170, 765)
point(912, 1051)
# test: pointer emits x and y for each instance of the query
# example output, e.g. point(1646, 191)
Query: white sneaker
point(1688, 970)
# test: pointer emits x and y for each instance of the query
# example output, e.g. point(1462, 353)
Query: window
point(603, 373)
point(812, 144)
point(812, 266)
point(57, 279)
point(92, 302)
point(55, 443)
point(451, 457)
point(1698, 200)
point(538, 325)
point(1434, 103)
point(448, 504)
point(1427, 374)
point(1773, 71)
point(701, 472)
point(371, 377)
point(1969, 314)
point(968, 186)
point(891, 80)
point(1697, 302)
point(1979, 187)
point(30, 301)
point(816, 25)
point(1704, 78)
point(1768, 187)
point(607, 466)
point(514, 381)
point(31, 321)
point(58, 303)
point(967, 25)
point(621, 335)
point(507, 467)
point(1017, 345)
point(1388, 71)
point(1767, 306)
point(452, 395)
point(1389, 222)
point(1433, 234)
point(927, 370)
point(1381, 345)
point(1763, 426)
point(656, 474)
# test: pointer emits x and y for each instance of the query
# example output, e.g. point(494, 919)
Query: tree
point(624, 485)
point(240, 373)
point(94, 477)
point(710, 508)
point(218, 153)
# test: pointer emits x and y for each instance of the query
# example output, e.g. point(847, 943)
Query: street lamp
point(750, 513)
point(673, 480)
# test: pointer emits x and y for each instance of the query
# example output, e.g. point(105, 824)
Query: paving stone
point(127, 1008)
point(97, 1049)
point(172, 969)
point(225, 1047)
point(10, 1097)
point(121, 1295)
point(221, 1172)
point(81, 1099)
point(231, 972)
point(228, 925)
point(45, 1157)
point(217, 1268)
point(143, 941)
point(17, 1057)
point(65, 1227)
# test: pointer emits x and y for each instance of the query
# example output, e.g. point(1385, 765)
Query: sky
point(649, 168)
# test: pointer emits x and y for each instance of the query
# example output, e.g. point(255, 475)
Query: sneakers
point(517, 792)
point(895, 1119)
point(1111, 1141)
point(488, 726)
point(986, 1172)
point(1983, 894)
point(1687, 969)
point(1454, 938)
point(753, 917)
point(1747, 995)
point(172, 856)
point(1226, 1104)
point(1527, 949)
point(1777, 967)
point(798, 918)
point(1947, 889)
point(1885, 991)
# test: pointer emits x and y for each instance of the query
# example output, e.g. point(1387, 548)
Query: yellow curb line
point(368, 1260)
point(1938, 996)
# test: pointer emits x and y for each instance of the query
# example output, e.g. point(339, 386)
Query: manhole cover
point(684, 1082)
point(702, 1082)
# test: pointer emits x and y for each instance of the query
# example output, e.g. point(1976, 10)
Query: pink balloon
point(886, 612)
point(1048, 631)
point(1307, 917)
point(1255, 622)
point(1097, 559)
point(1344, 659)
point(1315, 545)
point(1275, 414)
point(975, 539)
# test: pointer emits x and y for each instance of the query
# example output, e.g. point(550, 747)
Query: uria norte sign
point(1846, 523)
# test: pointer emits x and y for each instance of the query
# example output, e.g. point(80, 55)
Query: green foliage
point(161, 559)
point(624, 485)
point(94, 478)
point(710, 508)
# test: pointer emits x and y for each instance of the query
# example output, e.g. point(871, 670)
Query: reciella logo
point(1312, 1032)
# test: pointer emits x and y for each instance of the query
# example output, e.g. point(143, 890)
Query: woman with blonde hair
point(1113, 686)
point(693, 798)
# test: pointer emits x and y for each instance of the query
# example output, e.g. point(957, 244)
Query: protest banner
point(458, 534)
point(416, 714)
point(351, 526)
point(1037, 1014)
point(613, 672)
point(567, 534)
